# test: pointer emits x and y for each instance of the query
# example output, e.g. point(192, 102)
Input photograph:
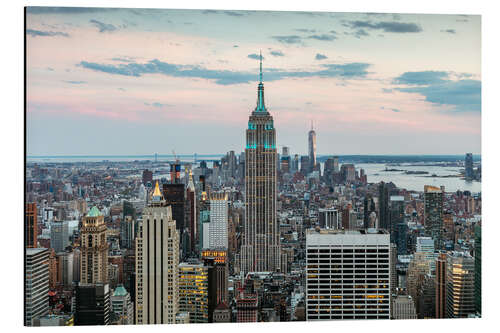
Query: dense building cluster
point(256, 236)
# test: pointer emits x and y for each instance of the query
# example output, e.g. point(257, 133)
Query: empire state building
point(260, 251)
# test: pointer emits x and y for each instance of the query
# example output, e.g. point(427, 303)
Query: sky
point(106, 81)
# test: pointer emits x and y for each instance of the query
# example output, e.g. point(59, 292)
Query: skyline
point(104, 84)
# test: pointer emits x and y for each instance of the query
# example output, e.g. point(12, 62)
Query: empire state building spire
point(261, 107)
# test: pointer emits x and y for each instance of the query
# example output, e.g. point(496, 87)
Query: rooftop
point(94, 212)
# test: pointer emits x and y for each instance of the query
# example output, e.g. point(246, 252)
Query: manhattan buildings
point(459, 285)
point(36, 302)
point(218, 226)
point(157, 264)
point(433, 214)
point(312, 149)
point(260, 251)
point(347, 274)
point(94, 249)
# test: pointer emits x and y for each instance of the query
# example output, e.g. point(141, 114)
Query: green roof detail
point(94, 212)
point(120, 291)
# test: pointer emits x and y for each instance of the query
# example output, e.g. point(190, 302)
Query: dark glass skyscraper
point(469, 171)
point(433, 214)
point(260, 251)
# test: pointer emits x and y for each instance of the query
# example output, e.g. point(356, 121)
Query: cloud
point(157, 105)
point(254, 56)
point(36, 33)
point(103, 27)
point(450, 31)
point(320, 56)
point(390, 109)
point(386, 26)
point(464, 95)
point(227, 12)
point(225, 77)
point(290, 39)
point(421, 78)
point(361, 33)
point(233, 13)
point(65, 10)
point(123, 59)
point(277, 53)
point(323, 37)
point(311, 31)
point(437, 87)
point(76, 82)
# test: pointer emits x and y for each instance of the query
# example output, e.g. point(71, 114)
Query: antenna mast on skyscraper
point(260, 75)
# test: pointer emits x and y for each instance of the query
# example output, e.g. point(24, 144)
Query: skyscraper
point(396, 216)
point(261, 244)
point(191, 211)
point(441, 285)
point(469, 171)
point(31, 226)
point(36, 281)
point(218, 258)
point(94, 248)
point(59, 236)
point(383, 207)
point(173, 195)
point(347, 274)
point(93, 306)
point(477, 268)
point(459, 285)
point(217, 234)
point(157, 264)
point(433, 214)
point(147, 177)
point(122, 306)
point(197, 291)
point(312, 149)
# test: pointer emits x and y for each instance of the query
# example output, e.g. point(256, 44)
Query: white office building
point(217, 229)
point(348, 274)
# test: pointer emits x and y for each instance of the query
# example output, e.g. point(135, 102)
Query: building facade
point(31, 225)
point(93, 306)
point(157, 264)
point(261, 243)
point(459, 285)
point(433, 214)
point(312, 149)
point(403, 308)
point(219, 210)
point(36, 301)
point(347, 274)
point(93, 248)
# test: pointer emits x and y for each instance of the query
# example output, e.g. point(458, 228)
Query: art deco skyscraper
point(94, 248)
point(191, 211)
point(312, 149)
point(261, 245)
point(157, 264)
